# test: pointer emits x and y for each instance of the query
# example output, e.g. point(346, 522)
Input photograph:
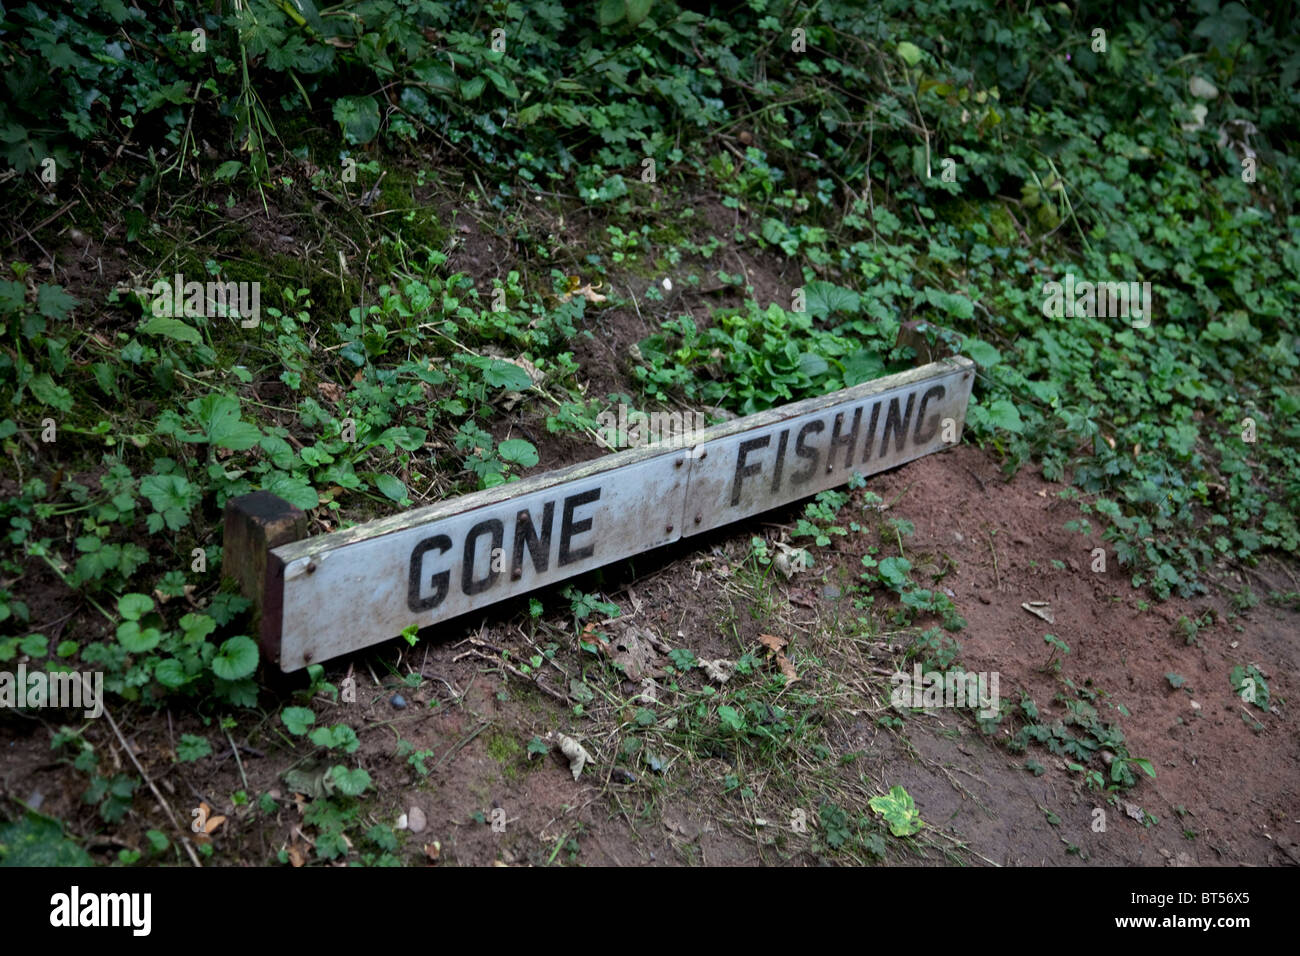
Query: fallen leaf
point(330, 392)
point(212, 824)
point(719, 670)
point(772, 642)
point(586, 291)
point(433, 851)
point(634, 654)
point(801, 597)
point(296, 856)
point(578, 756)
point(787, 668)
point(1040, 609)
point(790, 561)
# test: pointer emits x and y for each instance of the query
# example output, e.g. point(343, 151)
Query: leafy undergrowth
point(946, 164)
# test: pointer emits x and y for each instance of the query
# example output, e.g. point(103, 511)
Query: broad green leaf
point(507, 375)
point(822, 298)
point(236, 659)
point(518, 451)
point(391, 487)
point(297, 491)
point(351, 782)
point(297, 719)
point(1002, 414)
point(899, 811)
point(170, 673)
point(951, 303)
point(638, 10)
point(611, 11)
point(172, 329)
point(910, 52)
point(53, 303)
point(218, 416)
point(48, 393)
point(136, 639)
point(134, 606)
point(359, 117)
point(985, 355)
point(192, 747)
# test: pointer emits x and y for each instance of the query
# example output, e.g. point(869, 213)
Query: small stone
point(1196, 705)
point(830, 592)
point(984, 599)
point(415, 820)
point(958, 537)
point(398, 701)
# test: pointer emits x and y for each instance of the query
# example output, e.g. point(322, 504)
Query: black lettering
point(892, 424)
point(569, 527)
point(803, 451)
point(780, 460)
point(871, 432)
point(467, 582)
point(743, 470)
point(917, 437)
point(851, 439)
point(442, 544)
point(526, 535)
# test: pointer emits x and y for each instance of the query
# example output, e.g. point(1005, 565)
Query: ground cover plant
point(476, 227)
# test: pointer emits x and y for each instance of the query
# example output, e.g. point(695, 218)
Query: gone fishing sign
point(336, 593)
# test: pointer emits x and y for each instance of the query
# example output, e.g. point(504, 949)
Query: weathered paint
point(337, 593)
point(767, 460)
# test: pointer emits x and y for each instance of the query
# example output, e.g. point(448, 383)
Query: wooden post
point(254, 524)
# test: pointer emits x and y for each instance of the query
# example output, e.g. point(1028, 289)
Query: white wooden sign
point(337, 593)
